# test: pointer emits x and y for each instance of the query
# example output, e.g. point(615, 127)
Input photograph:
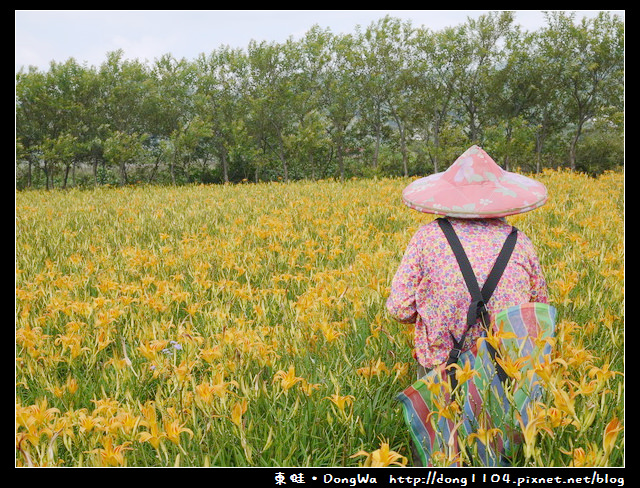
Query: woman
point(428, 289)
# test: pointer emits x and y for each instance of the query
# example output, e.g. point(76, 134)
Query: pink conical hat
point(475, 187)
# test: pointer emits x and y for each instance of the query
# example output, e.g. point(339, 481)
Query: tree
point(54, 115)
point(170, 112)
point(336, 91)
point(219, 102)
point(589, 57)
point(271, 97)
point(310, 143)
point(383, 83)
point(392, 50)
point(57, 152)
point(121, 149)
point(480, 50)
point(315, 106)
point(513, 88)
point(125, 93)
point(438, 67)
point(31, 118)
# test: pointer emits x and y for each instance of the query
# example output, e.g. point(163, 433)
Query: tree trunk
point(574, 143)
point(29, 172)
point(95, 171)
point(283, 159)
point(376, 150)
point(340, 158)
point(66, 176)
point(123, 173)
point(225, 164)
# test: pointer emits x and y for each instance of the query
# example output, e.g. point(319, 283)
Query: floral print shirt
point(428, 287)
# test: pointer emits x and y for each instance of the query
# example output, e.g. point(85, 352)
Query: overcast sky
point(87, 35)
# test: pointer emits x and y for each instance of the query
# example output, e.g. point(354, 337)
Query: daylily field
point(244, 325)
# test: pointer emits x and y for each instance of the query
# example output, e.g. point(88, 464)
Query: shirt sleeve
point(401, 303)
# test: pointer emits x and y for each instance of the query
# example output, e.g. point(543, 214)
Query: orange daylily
point(288, 379)
point(173, 429)
point(545, 369)
point(308, 388)
point(611, 432)
point(341, 401)
point(535, 424)
point(238, 409)
point(447, 411)
point(581, 458)
point(512, 368)
point(485, 435)
point(111, 455)
point(382, 457)
point(565, 401)
point(464, 374)
point(375, 368)
point(153, 436)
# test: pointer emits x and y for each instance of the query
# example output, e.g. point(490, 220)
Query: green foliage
point(391, 99)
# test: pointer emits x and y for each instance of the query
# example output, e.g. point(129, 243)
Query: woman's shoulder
point(428, 230)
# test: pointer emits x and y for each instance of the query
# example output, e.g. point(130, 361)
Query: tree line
point(391, 99)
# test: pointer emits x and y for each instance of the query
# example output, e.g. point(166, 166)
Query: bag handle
point(479, 298)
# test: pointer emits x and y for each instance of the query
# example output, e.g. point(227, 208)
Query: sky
point(87, 36)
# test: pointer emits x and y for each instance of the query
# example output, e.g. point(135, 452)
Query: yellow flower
point(220, 387)
point(382, 457)
point(401, 369)
point(464, 374)
point(556, 418)
point(210, 355)
point(128, 421)
point(148, 351)
point(565, 401)
point(288, 379)
point(57, 391)
point(238, 409)
point(436, 388)
point(494, 337)
point(153, 436)
point(173, 429)
point(601, 375)
point(512, 368)
point(341, 401)
point(40, 413)
point(535, 424)
point(205, 392)
point(72, 385)
point(308, 388)
point(545, 370)
point(87, 423)
point(375, 368)
point(183, 370)
point(611, 432)
point(485, 435)
point(106, 406)
point(581, 458)
point(330, 334)
point(448, 411)
point(111, 455)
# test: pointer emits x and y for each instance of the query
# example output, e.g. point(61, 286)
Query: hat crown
point(474, 166)
point(474, 186)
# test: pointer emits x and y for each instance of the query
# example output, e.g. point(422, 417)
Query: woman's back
point(429, 287)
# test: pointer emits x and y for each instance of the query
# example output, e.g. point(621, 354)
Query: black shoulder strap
point(479, 298)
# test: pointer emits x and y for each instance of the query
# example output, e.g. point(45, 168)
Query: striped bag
point(440, 418)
